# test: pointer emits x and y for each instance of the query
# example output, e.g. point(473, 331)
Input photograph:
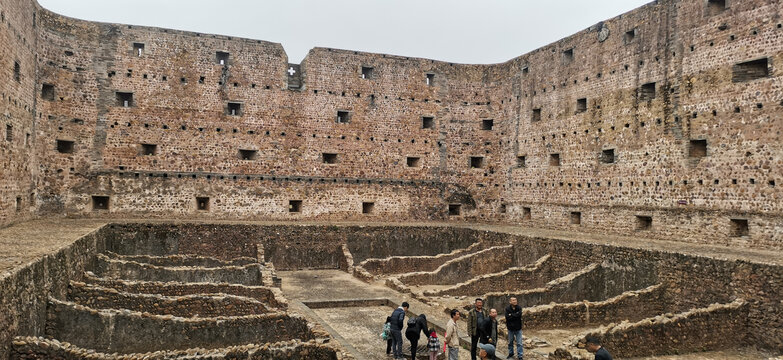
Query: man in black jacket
point(593, 345)
point(412, 333)
point(397, 321)
point(514, 326)
point(488, 330)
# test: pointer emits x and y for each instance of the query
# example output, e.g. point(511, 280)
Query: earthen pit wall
point(528, 277)
point(19, 169)
point(118, 331)
point(406, 264)
point(182, 260)
point(129, 270)
point(271, 296)
point(205, 306)
point(25, 291)
point(487, 261)
point(35, 348)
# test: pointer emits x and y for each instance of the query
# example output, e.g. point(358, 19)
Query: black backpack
point(411, 322)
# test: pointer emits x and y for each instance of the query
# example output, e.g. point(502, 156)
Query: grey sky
point(462, 31)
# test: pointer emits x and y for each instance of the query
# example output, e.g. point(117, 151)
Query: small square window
point(234, 109)
point(124, 99)
point(487, 124)
point(521, 161)
point(629, 36)
point(576, 218)
point(476, 162)
point(329, 158)
point(643, 222)
point(221, 57)
point(413, 161)
point(568, 55)
point(100, 203)
point(138, 49)
point(47, 92)
point(430, 79)
point(647, 92)
point(715, 7)
point(750, 70)
point(526, 213)
point(247, 154)
point(607, 156)
point(149, 149)
point(294, 206)
point(536, 115)
point(427, 122)
point(739, 227)
point(343, 117)
point(697, 149)
point(455, 209)
point(554, 159)
point(367, 72)
point(581, 105)
point(202, 203)
point(368, 207)
point(64, 146)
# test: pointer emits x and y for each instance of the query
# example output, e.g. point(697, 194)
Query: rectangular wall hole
point(329, 158)
point(430, 79)
point(487, 124)
point(647, 92)
point(64, 146)
point(568, 55)
point(576, 218)
point(202, 203)
point(138, 49)
point(526, 213)
point(715, 7)
point(413, 161)
point(750, 70)
point(9, 132)
point(368, 207)
point(643, 222)
point(100, 203)
point(294, 206)
point(47, 92)
point(124, 99)
point(221, 57)
point(17, 71)
point(18, 203)
point(455, 209)
point(554, 159)
point(581, 105)
point(536, 115)
point(607, 156)
point(234, 109)
point(343, 117)
point(503, 208)
point(427, 122)
point(247, 154)
point(522, 161)
point(629, 36)
point(367, 72)
point(149, 149)
point(697, 149)
point(476, 162)
point(739, 227)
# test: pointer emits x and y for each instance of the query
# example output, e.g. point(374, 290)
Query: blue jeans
point(512, 336)
point(396, 343)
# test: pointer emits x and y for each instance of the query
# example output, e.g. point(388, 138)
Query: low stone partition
point(125, 331)
point(406, 264)
point(528, 277)
point(630, 305)
point(130, 270)
point(465, 267)
point(42, 348)
point(183, 260)
point(716, 327)
point(266, 295)
point(98, 297)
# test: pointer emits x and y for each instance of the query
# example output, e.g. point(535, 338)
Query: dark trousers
point(473, 346)
point(397, 343)
point(389, 345)
point(414, 347)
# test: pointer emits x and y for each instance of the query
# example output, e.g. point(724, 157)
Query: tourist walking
point(514, 326)
point(593, 345)
point(386, 335)
point(416, 326)
point(397, 321)
point(452, 338)
point(433, 345)
point(475, 316)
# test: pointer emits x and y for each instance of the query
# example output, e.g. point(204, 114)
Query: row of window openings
point(9, 134)
point(696, 149)
point(203, 204)
point(19, 201)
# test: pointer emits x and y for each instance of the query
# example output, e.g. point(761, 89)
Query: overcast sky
point(461, 31)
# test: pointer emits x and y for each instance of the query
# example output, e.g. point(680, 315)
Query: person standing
point(488, 329)
point(452, 338)
point(476, 316)
point(386, 335)
point(514, 326)
point(433, 345)
point(412, 333)
point(397, 321)
point(593, 345)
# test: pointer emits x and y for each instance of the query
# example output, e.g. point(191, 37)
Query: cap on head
point(489, 349)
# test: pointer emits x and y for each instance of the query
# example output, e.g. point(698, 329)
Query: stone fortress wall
point(662, 122)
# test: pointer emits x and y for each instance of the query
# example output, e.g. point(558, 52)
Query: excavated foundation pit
point(169, 290)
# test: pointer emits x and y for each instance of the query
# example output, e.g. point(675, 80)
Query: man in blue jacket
point(397, 322)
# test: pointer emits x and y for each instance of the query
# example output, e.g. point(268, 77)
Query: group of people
point(482, 328)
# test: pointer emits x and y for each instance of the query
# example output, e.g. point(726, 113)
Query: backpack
point(411, 322)
point(385, 335)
